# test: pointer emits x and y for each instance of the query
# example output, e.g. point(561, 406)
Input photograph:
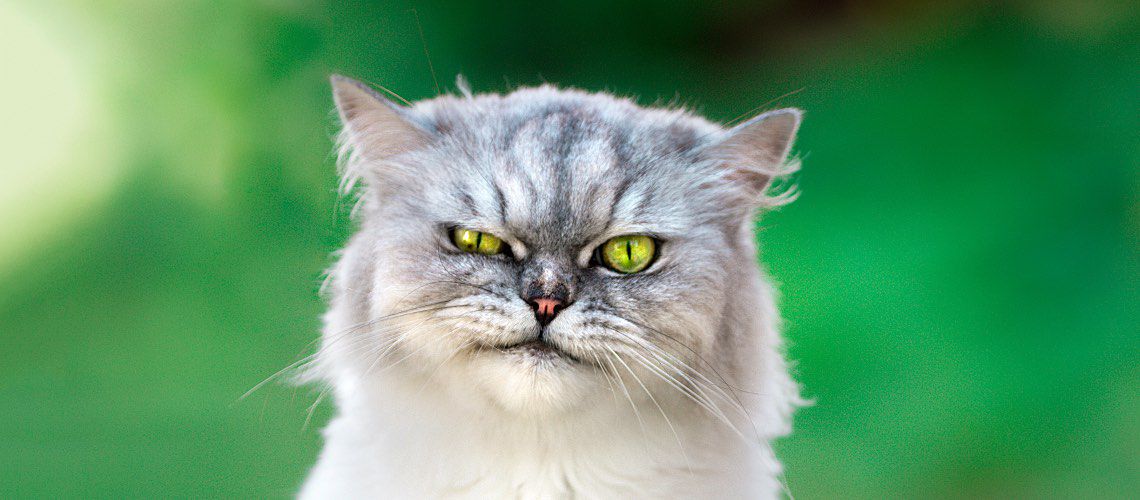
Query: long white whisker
point(668, 422)
point(609, 379)
point(692, 389)
point(625, 390)
point(312, 408)
point(702, 382)
point(686, 391)
point(333, 339)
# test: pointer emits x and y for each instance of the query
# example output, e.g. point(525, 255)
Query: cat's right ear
point(375, 127)
point(756, 152)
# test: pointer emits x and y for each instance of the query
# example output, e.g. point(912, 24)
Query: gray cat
point(552, 294)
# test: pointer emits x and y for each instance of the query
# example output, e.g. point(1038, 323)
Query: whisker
point(686, 391)
point(703, 382)
point(337, 336)
point(390, 348)
point(625, 390)
point(609, 380)
point(312, 408)
point(699, 384)
point(735, 402)
point(690, 349)
point(688, 463)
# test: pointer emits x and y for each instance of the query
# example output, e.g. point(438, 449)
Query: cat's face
point(538, 242)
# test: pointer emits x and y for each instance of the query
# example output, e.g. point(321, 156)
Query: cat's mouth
point(538, 349)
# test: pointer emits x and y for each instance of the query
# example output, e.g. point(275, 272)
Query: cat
point(551, 294)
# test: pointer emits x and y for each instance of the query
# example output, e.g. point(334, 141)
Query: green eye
point(628, 254)
point(476, 242)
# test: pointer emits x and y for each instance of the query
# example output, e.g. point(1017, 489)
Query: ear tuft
point(757, 149)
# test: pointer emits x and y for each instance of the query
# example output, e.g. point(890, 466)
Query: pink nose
point(545, 308)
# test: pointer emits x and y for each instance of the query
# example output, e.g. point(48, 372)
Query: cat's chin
point(532, 377)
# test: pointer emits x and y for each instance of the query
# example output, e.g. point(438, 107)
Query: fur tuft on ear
point(756, 152)
point(375, 129)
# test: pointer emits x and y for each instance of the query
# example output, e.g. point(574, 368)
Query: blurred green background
point(960, 275)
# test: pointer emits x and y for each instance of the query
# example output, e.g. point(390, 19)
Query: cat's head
point(540, 242)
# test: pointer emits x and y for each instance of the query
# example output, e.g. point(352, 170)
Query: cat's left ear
point(756, 150)
point(377, 127)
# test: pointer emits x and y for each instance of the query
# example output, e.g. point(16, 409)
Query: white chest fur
point(414, 444)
